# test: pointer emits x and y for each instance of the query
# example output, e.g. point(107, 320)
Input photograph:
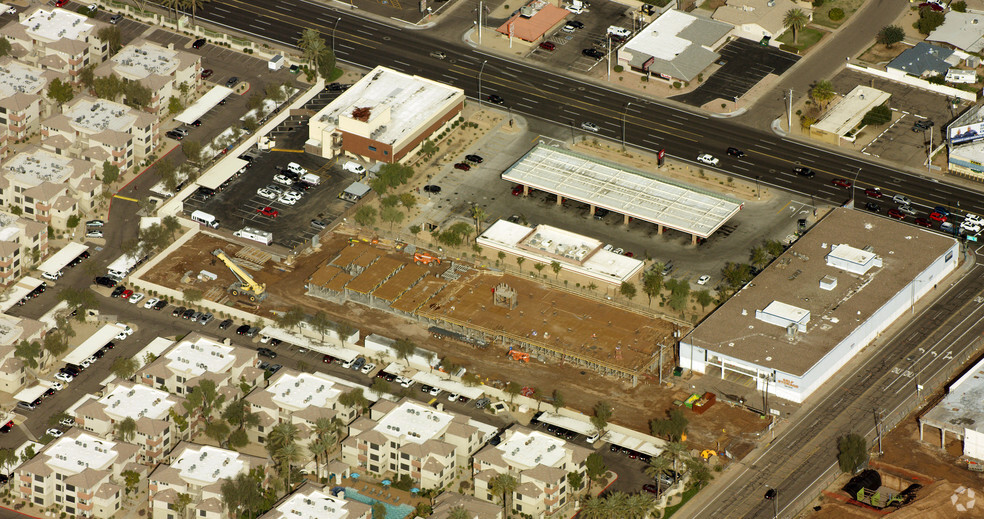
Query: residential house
point(924, 60)
point(759, 20)
point(964, 31)
point(49, 188)
point(161, 70)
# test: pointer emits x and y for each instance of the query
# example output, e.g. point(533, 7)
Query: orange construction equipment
point(519, 355)
point(425, 259)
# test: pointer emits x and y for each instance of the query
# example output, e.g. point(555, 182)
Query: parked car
point(136, 298)
point(432, 189)
point(118, 291)
point(178, 312)
point(477, 159)
point(207, 73)
point(268, 211)
point(593, 53)
point(319, 224)
point(232, 82)
point(242, 330)
point(922, 125)
point(199, 43)
point(224, 325)
point(367, 369)
point(462, 166)
point(150, 303)
point(115, 19)
point(547, 45)
point(96, 233)
point(266, 352)
point(207, 318)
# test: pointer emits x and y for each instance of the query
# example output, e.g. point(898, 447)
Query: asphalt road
point(571, 101)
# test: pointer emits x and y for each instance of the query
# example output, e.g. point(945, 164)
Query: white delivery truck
point(205, 219)
point(122, 266)
point(264, 237)
point(311, 178)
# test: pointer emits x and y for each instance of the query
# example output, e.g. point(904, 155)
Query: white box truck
point(311, 178)
point(205, 219)
point(264, 237)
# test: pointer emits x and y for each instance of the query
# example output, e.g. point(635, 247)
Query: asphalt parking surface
point(748, 62)
point(596, 19)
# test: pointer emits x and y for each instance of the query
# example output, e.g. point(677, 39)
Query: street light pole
point(854, 187)
point(333, 29)
point(624, 113)
point(480, 83)
point(572, 131)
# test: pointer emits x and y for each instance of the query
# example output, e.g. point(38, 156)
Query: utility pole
point(479, 22)
point(878, 430)
point(929, 153)
point(789, 111)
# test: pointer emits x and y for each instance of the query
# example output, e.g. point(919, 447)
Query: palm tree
point(503, 486)
point(194, 5)
point(594, 508)
point(287, 454)
point(312, 45)
point(657, 465)
point(281, 434)
point(317, 448)
point(640, 505)
point(822, 93)
point(796, 19)
point(617, 504)
point(478, 214)
point(458, 512)
point(126, 429)
point(242, 495)
point(172, 5)
point(677, 452)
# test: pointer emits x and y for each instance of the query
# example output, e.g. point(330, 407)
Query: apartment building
point(12, 331)
point(161, 70)
point(78, 472)
point(299, 398)
point(198, 358)
point(23, 97)
point(56, 39)
point(101, 131)
point(409, 438)
point(23, 243)
point(446, 502)
point(151, 409)
point(539, 462)
point(199, 471)
point(49, 188)
point(311, 502)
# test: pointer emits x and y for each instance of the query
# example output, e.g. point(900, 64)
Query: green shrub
point(676, 84)
point(836, 14)
point(618, 68)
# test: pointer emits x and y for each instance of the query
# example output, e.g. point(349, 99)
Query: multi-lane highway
point(569, 101)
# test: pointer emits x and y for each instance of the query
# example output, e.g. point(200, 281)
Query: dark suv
point(267, 352)
point(104, 281)
point(804, 172)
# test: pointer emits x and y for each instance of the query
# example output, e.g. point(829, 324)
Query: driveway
point(745, 63)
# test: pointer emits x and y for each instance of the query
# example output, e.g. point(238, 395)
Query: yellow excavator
point(246, 286)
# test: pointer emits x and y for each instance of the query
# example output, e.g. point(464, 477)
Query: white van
point(354, 167)
point(264, 237)
point(52, 276)
point(311, 178)
point(296, 168)
point(205, 219)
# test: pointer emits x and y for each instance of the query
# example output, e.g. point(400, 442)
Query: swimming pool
point(392, 511)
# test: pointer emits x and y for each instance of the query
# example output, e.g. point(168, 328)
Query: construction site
point(501, 327)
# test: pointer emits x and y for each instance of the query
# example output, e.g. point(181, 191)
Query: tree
point(602, 414)
point(795, 19)
point(389, 201)
point(243, 494)
point(408, 200)
point(539, 267)
point(877, 116)
point(960, 6)
point(174, 106)
point(204, 399)
point(502, 486)
point(58, 90)
point(321, 324)
point(294, 316)
point(191, 295)
point(652, 282)
point(852, 452)
point(759, 257)
point(823, 93)
point(8, 460)
point(111, 36)
point(414, 230)
point(378, 510)
point(29, 352)
point(379, 386)
point(596, 468)
point(391, 215)
point(676, 452)
point(556, 268)
point(627, 289)
point(700, 474)
point(890, 35)
point(513, 389)
point(217, 430)
point(326, 63)
point(354, 399)
point(343, 329)
point(311, 44)
point(704, 298)
point(80, 299)
point(194, 6)
point(131, 479)
point(192, 150)
point(238, 415)
point(405, 348)
point(478, 214)
point(929, 20)
point(181, 502)
point(672, 427)
point(575, 480)
point(125, 367)
point(110, 173)
point(126, 429)
point(558, 400)
point(594, 508)
point(108, 87)
point(137, 95)
point(736, 274)
point(657, 465)
point(366, 216)
point(4, 47)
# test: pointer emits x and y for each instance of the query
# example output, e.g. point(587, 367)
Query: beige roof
point(68, 46)
point(759, 12)
point(19, 101)
point(45, 191)
point(52, 61)
point(546, 474)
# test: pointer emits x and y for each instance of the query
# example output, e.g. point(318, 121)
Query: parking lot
point(743, 64)
point(569, 45)
point(238, 205)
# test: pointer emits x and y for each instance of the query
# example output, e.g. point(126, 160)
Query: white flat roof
point(140, 61)
point(338, 352)
point(73, 454)
point(294, 392)
point(568, 422)
point(220, 172)
point(137, 402)
point(314, 505)
point(62, 258)
point(847, 114)
point(527, 450)
point(200, 356)
point(413, 422)
point(203, 464)
point(157, 347)
point(632, 443)
point(97, 115)
point(204, 104)
point(54, 24)
point(95, 341)
point(451, 386)
point(17, 292)
point(30, 394)
point(17, 77)
point(39, 166)
point(635, 193)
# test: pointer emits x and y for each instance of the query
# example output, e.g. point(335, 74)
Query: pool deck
point(386, 494)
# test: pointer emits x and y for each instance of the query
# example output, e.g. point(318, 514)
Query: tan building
point(312, 502)
point(151, 410)
point(198, 358)
point(56, 39)
point(49, 188)
point(12, 331)
point(839, 124)
point(78, 472)
point(477, 508)
point(385, 117)
point(199, 471)
point(159, 69)
point(23, 243)
point(301, 399)
point(409, 438)
point(540, 464)
point(23, 97)
point(759, 20)
point(101, 131)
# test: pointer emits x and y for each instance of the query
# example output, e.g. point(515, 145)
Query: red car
point(873, 192)
point(842, 182)
point(462, 166)
point(938, 216)
point(328, 359)
point(207, 73)
point(518, 190)
point(651, 488)
point(895, 213)
point(126, 294)
point(922, 222)
point(61, 3)
point(547, 45)
point(268, 211)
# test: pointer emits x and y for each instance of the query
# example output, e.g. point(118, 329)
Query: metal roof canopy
point(624, 190)
point(19, 291)
point(97, 340)
point(567, 422)
point(221, 171)
point(633, 444)
point(204, 104)
point(451, 386)
point(62, 258)
point(32, 393)
point(297, 340)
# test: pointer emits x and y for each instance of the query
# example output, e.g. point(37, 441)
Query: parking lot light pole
point(624, 113)
point(773, 495)
point(854, 187)
point(333, 29)
point(480, 83)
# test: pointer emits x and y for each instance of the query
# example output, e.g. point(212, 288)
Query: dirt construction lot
point(721, 426)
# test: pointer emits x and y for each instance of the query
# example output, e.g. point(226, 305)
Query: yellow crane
point(246, 286)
